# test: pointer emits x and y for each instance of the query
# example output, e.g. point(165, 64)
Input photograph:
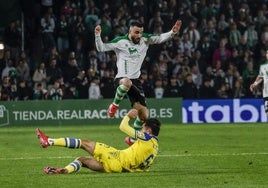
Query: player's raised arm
point(176, 28)
point(100, 46)
point(124, 125)
point(157, 39)
point(98, 30)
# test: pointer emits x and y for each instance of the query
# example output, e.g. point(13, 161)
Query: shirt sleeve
point(103, 47)
point(157, 39)
point(124, 127)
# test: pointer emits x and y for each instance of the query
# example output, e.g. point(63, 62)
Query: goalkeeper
point(138, 157)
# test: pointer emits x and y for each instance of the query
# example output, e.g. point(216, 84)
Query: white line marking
point(176, 155)
point(213, 154)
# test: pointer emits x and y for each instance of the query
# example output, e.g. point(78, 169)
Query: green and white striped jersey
point(130, 56)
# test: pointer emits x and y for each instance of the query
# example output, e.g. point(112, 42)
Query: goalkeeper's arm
point(124, 125)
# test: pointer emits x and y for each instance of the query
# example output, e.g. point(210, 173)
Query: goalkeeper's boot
point(42, 138)
point(52, 170)
point(129, 141)
point(112, 109)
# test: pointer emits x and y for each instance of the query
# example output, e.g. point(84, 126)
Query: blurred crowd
point(216, 54)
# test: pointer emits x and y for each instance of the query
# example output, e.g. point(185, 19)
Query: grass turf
point(209, 155)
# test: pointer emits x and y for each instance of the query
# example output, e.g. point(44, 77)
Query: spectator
point(173, 90)
point(8, 68)
point(81, 83)
point(54, 54)
point(189, 88)
point(62, 29)
point(5, 59)
point(186, 46)
point(205, 47)
point(196, 76)
point(66, 9)
point(158, 89)
point(93, 62)
point(80, 36)
point(45, 5)
point(53, 73)
point(94, 91)
point(24, 91)
point(230, 78)
point(13, 93)
point(71, 93)
point(5, 89)
point(249, 75)
point(12, 37)
point(146, 85)
point(48, 32)
point(71, 71)
point(251, 36)
point(107, 84)
point(193, 33)
point(234, 35)
point(222, 92)
point(221, 53)
point(40, 76)
point(106, 26)
point(39, 92)
point(238, 90)
point(23, 72)
point(197, 61)
point(55, 93)
point(206, 91)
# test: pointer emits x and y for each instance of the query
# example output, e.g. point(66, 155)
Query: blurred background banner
point(224, 111)
point(81, 112)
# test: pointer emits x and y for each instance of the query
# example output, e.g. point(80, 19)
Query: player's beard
point(135, 40)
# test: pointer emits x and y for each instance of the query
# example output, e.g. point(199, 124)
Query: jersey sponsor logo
point(132, 50)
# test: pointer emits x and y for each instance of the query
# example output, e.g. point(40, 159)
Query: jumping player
point(131, 50)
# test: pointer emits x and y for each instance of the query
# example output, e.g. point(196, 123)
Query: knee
point(142, 111)
point(125, 82)
point(143, 116)
point(88, 145)
point(81, 159)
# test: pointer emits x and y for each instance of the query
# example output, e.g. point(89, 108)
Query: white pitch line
point(176, 155)
point(213, 154)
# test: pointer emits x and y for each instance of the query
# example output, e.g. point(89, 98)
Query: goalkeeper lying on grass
point(137, 157)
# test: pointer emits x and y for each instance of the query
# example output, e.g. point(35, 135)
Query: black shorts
point(135, 93)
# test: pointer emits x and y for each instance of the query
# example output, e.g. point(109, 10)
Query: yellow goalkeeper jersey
point(142, 153)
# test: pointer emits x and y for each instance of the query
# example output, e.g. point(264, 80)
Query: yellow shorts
point(108, 156)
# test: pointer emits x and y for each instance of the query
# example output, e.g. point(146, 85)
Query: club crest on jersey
point(132, 50)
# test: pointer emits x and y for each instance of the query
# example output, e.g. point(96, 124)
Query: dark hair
point(154, 124)
point(136, 23)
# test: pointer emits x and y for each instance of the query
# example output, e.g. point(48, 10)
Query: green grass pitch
point(208, 155)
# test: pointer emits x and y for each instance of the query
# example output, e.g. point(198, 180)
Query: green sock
point(121, 91)
point(137, 125)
